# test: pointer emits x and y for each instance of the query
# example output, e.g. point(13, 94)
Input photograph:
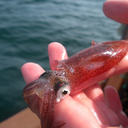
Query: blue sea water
point(28, 26)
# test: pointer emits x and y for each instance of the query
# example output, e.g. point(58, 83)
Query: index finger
point(56, 51)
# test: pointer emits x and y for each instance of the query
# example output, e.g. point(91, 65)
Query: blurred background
point(28, 26)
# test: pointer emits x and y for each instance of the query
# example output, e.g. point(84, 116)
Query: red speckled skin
point(41, 94)
point(93, 61)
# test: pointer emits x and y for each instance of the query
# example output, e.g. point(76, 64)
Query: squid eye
point(63, 92)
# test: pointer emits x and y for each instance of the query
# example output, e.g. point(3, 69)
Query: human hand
point(116, 10)
point(88, 108)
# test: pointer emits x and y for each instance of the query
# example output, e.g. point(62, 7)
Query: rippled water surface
point(28, 26)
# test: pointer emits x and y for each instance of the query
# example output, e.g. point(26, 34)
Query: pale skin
point(90, 108)
point(116, 10)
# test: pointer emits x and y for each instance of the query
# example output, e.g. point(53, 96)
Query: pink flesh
point(70, 107)
point(116, 10)
point(98, 75)
point(92, 62)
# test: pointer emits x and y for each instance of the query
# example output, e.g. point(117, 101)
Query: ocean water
point(28, 26)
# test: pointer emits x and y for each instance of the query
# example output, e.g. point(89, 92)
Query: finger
point(56, 51)
point(69, 105)
point(116, 10)
point(31, 71)
point(93, 108)
point(95, 93)
point(113, 101)
point(74, 114)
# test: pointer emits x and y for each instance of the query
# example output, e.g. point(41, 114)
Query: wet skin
point(89, 104)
